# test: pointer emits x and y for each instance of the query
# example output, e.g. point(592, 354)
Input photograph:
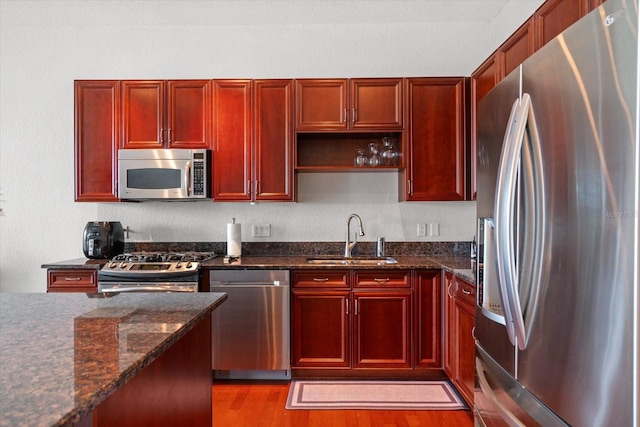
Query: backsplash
point(309, 248)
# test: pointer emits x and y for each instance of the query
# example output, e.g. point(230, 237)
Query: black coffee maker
point(103, 239)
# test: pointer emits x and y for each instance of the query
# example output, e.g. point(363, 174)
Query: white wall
point(46, 45)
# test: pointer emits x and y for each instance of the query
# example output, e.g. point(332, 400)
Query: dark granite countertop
point(62, 354)
point(78, 263)
point(461, 266)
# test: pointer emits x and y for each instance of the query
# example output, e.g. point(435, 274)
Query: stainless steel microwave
point(164, 174)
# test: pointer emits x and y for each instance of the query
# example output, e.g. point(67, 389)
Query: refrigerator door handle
point(525, 288)
point(505, 186)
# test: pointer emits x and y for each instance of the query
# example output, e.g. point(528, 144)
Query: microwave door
point(143, 181)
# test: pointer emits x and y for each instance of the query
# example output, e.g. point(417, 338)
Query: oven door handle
point(151, 288)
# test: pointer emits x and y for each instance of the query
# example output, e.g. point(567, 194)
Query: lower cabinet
point(351, 319)
point(459, 351)
point(67, 280)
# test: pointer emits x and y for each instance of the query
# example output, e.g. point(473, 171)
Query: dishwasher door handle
point(246, 283)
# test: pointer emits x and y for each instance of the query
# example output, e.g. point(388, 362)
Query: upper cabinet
point(554, 16)
point(517, 48)
point(97, 131)
point(435, 138)
point(253, 140)
point(349, 104)
point(166, 114)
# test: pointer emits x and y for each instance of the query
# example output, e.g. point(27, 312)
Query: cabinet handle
point(257, 188)
point(347, 304)
point(320, 279)
point(162, 135)
point(353, 116)
point(356, 308)
point(344, 118)
point(467, 292)
point(72, 279)
point(449, 290)
point(169, 135)
point(410, 186)
point(381, 280)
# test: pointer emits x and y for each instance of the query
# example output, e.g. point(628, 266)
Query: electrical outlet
point(422, 230)
point(434, 229)
point(261, 230)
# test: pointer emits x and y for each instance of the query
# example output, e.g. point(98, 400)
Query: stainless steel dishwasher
point(251, 328)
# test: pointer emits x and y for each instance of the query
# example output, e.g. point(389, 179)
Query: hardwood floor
point(241, 404)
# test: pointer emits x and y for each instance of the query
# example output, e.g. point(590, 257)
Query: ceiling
point(253, 12)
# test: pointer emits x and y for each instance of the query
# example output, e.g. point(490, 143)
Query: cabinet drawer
point(382, 279)
point(72, 281)
point(321, 279)
point(465, 292)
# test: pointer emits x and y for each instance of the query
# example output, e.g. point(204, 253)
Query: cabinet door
point(518, 47)
point(97, 132)
point(188, 114)
point(555, 16)
point(231, 156)
point(485, 78)
point(464, 319)
point(320, 335)
point(427, 311)
point(450, 351)
point(321, 104)
point(436, 143)
point(273, 140)
point(143, 114)
point(382, 329)
point(376, 104)
point(72, 281)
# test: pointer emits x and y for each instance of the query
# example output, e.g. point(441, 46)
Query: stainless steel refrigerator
point(557, 200)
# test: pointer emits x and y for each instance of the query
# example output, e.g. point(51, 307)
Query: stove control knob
point(178, 264)
point(112, 264)
point(189, 265)
point(122, 265)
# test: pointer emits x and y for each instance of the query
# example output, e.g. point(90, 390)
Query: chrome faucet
point(348, 245)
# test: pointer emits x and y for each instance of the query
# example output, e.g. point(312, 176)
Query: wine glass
point(389, 154)
point(374, 156)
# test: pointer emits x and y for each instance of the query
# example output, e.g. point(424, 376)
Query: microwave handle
point(187, 177)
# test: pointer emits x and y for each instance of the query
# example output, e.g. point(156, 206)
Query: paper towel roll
point(234, 240)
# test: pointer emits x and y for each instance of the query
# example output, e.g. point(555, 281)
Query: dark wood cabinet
point(346, 104)
point(166, 114)
point(273, 140)
point(555, 16)
point(334, 326)
point(435, 140)
point(320, 319)
point(382, 329)
point(594, 4)
point(427, 323)
point(97, 136)
point(459, 342)
point(69, 280)
point(253, 140)
point(321, 328)
point(517, 48)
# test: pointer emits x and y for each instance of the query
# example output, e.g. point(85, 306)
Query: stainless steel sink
point(352, 261)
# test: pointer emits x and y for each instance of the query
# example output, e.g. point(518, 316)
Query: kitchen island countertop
point(62, 354)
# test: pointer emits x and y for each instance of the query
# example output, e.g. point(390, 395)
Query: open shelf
point(331, 152)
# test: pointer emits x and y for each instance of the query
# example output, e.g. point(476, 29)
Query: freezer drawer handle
point(506, 415)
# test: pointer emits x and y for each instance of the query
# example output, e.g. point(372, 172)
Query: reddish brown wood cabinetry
point(97, 133)
point(166, 114)
point(253, 140)
point(555, 16)
point(427, 324)
point(335, 327)
point(459, 343)
point(517, 48)
point(68, 280)
point(345, 104)
point(320, 319)
point(435, 158)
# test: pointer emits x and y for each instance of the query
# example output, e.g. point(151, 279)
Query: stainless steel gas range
point(152, 272)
